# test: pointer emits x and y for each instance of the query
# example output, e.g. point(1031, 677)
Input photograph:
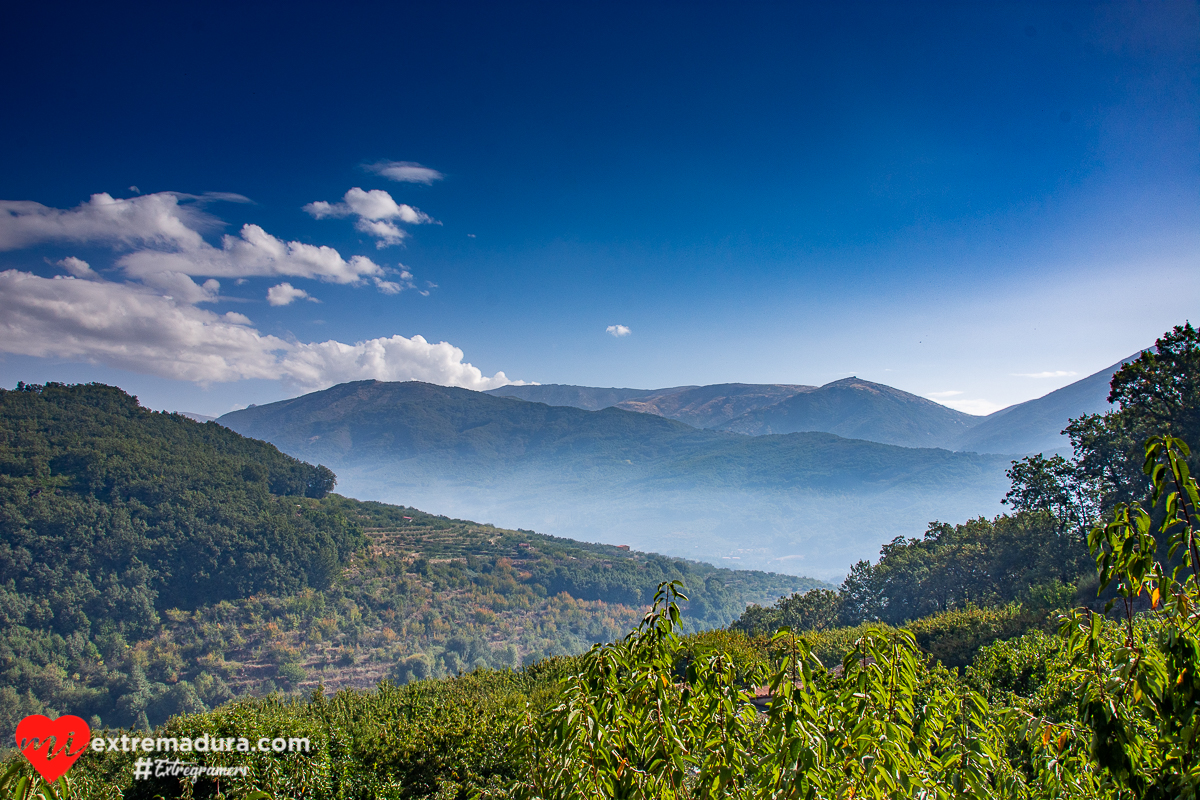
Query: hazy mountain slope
point(422, 426)
point(711, 406)
point(860, 409)
point(591, 398)
point(1035, 426)
point(806, 503)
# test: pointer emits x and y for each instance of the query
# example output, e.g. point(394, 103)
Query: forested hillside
point(150, 565)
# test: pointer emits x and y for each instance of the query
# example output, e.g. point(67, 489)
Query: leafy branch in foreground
point(1139, 694)
point(639, 720)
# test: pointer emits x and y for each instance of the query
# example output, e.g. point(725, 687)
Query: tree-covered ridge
point(109, 510)
point(550, 565)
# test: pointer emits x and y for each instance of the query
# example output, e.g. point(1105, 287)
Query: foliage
point(630, 725)
point(814, 610)
point(1028, 558)
point(1058, 487)
point(1139, 695)
point(1159, 393)
point(111, 516)
point(438, 738)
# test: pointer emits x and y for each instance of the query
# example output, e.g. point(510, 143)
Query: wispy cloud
point(940, 395)
point(1050, 374)
point(617, 330)
point(405, 172)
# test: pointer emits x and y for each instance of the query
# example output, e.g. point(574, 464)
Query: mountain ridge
point(859, 409)
point(771, 502)
point(1035, 426)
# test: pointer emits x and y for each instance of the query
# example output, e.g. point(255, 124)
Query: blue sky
point(973, 202)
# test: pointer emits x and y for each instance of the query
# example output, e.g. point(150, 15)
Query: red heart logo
point(44, 742)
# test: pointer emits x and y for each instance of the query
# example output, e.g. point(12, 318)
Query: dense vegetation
point(975, 696)
point(151, 565)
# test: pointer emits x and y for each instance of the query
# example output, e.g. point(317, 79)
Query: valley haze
point(789, 478)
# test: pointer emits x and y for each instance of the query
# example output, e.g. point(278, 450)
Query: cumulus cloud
point(285, 293)
point(1060, 373)
point(375, 210)
point(618, 330)
point(135, 327)
point(78, 267)
point(253, 253)
point(155, 220)
point(405, 172)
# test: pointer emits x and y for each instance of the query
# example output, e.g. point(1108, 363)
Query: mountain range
point(789, 478)
point(850, 407)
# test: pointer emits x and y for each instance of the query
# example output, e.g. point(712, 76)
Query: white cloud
point(78, 267)
point(393, 358)
point(1054, 374)
point(618, 330)
point(940, 395)
point(156, 220)
point(133, 327)
point(180, 287)
point(285, 293)
point(405, 172)
point(375, 210)
point(320, 209)
point(254, 253)
point(386, 232)
point(163, 231)
point(391, 287)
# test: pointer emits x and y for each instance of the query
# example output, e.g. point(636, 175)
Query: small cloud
point(385, 232)
point(388, 287)
point(135, 190)
point(285, 294)
point(79, 268)
point(937, 395)
point(1061, 373)
point(320, 209)
point(375, 210)
point(405, 172)
point(470, 236)
point(618, 330)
